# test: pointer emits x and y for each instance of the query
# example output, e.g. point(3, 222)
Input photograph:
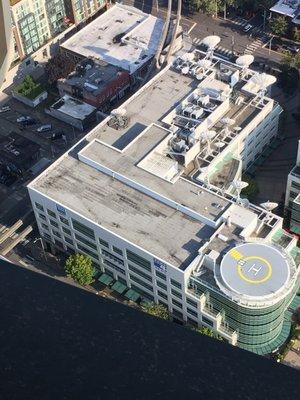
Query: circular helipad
point(254, 270)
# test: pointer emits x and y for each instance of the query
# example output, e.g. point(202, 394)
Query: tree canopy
point(79, 267)
point(158, 310)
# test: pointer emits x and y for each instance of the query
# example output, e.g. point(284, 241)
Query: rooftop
point(122, 171)
point(73, 107)
point(286, 7)
point(123, 36)
point(92, 76)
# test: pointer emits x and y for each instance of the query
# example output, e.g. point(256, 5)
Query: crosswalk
point(257, 43)
point(218, 49)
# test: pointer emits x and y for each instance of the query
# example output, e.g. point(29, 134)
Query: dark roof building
point(61, 342)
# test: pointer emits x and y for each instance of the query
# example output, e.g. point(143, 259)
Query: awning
point(106, 279)
point(119, 287)
point(132, 295)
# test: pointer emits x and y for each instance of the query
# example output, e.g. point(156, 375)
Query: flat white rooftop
point(73, 107)
point(123, 36)
point(286, 7)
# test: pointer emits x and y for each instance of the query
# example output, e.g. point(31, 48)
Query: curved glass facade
point(257, 328)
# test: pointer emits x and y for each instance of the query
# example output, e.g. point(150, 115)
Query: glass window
point(161, 285)
point(160, 275)
point(117, 250)
point(56, 233)
point(112, 257)
point(177, 303)
point(103, 243)
point(192, 312)
point(207, 321)
point(191, 302)
point(140, 282)
point(175, 293)
point(140, 273)
point(138, 260)
point(53, 223)
point(175, 283)
point(87, 251)
point(64, 220)
point(113, 266)
point(66, 230)
point(44, 226)
point(51, 213)
point(69, 240)
point(43, 217)
point(85, 230)
point(85, 241)
point(163, 295)
point(39, 206)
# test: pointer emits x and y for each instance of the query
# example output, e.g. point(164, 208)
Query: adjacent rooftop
point(123, 36)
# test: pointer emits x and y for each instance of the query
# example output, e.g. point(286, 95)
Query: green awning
point(132, 295)
point(106, 279)
point(119, 287)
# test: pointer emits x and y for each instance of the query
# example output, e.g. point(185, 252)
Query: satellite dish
point(263, 80)
point(185, 70)
point(118, 112)
point(227, 121)
point(188, 57)
point(199, 77)
point(211, 41)
point(239, 185)
point(204, 63)
point(245, 202)
point(269, 206)
point(237, 128)
point(244, 61)
point(208, 135)
point(219, 145)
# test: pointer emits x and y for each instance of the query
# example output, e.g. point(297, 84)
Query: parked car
point(4, 109)
point(247, 28)
point(57, 135)
point(26, 120)
point(44, 128)
point(292, 48)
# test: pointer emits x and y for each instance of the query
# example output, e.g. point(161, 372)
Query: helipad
point(255, 270)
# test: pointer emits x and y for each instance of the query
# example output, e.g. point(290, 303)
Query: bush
point(79, 267)
point(158, 310)
point(29, 88)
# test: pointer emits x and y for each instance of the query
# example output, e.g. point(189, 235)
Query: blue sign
point(159, 265)
point(60, 209)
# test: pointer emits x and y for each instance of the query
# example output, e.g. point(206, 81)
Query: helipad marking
point(255, 270)
point(236, 254)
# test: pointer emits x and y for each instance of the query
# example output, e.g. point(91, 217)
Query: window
point(112, 257)
point(64, 220)
point(113, 266)
point(39, 206)
point(191, 302)
point(56, 233)
point(85, 230)
point(43, 217)
point(44, 226)
point(175, 283)
point(58, 243)
point(140, 282)
point(207, 321)
point(85, 241)
point(66, 230)
point(46, 236)
point(140, 273)
point(161, 275)
point(163, 295)
point(53, 223)
point(192, 312)
point(161, 285)
point(117, 250)
point(138, 260)
point(103, 243)
point(176, 303)
point(139, 290)
point(87, 251)
point(175, 293)
point(69, 240)
point(51, 213)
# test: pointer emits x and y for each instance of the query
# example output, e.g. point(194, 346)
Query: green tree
point(279, 26)
point(158, 310)
point(205, 331)
point(296, 34)
point(297, 61)
point(287, 59)
point(79, 267)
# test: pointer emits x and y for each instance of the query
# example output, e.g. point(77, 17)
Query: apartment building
point(6, 44)
point(35, 22)
point(149, 195)
point(292, 198)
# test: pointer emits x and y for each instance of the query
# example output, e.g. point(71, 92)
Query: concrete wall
point(31, 103)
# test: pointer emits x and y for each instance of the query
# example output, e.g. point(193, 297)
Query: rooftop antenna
point(227, 122)
point(239, 185)
point(244, 61)
point(207, 136)
point(211, 43)
point(263, 81)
